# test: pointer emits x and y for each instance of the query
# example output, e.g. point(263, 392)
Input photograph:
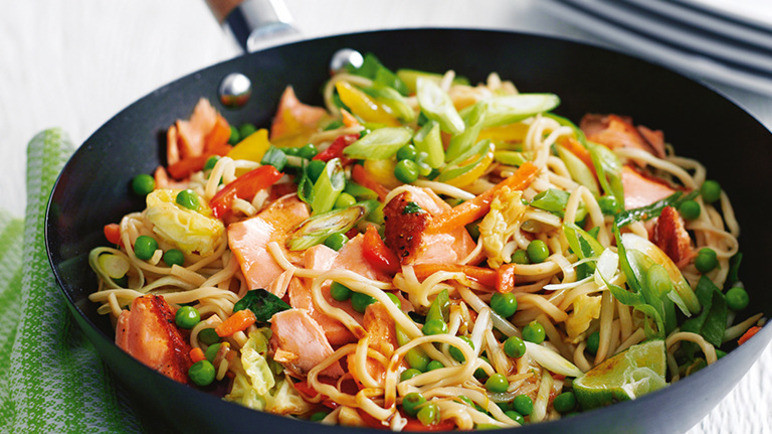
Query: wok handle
point(255, 24)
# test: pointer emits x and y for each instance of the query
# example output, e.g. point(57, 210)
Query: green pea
point(290, 151)
point(457, 354)
point(706, 260)
point(394, 299)
point(360, 301)
point(514, 347)
point(188, 199)
point(497, 383)
point(407, 152)
point(340, 292)
point(208, 336)
point(202, 373)
point(318, 416)
point(406, 171)
point(504, 304)
point(211, 352)
point(411, 402)
point(344, 200)
point(517, 417)
point(592, 342)
point(417, 359)
point(520, 257)
point(710, 191)
point(523, 404)
point(564, 402)
point(408, 374)
point(609, 205)
point(534, 332)
point(435, 327)
point(308, 151)
point(246, 130)
point(538, 251)
point(434, 364)
point(211, 162)
point(315, 169)
point(174, 257)
point(235, 137)
point(336, 241)
point(143, 184)
point(187, 317)
point(479, 373)
point(145, 247)
point(429, 414)
point(689, 209)
point(737, 298)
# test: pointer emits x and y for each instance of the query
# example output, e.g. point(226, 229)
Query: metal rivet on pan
point(235, 90)
point(343, 57)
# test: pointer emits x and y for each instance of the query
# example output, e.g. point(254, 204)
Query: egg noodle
point(569, 304)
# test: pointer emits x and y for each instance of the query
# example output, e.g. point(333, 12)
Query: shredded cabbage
point(191, 231)
point(586, 308)
point(501, 222)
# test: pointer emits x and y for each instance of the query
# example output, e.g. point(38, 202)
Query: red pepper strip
point(413, 424)
point(336, 149)
point(483, 276)
point(244, 187)
point(505, 278)
point(748, 334)
point(377, 254)
point(113, 233)
point(360, 175)
point(476, 208)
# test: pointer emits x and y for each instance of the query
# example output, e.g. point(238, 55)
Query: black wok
point(93, 191)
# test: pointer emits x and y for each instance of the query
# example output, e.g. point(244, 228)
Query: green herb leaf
point(412, 208)
point(262, 303)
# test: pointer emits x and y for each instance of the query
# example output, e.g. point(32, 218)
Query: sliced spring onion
point(327, 188)
point(393, 100)
point(428, 140)
point(410, 77)
point(578, 170)
point(379, 144)
point(360, 192)
point(113, 265)
point(555, 201)
point(473, 121)
point(551, 360)
point(317, 228)
point(274, 157)
point(511, 158)
point(465, 163)
point(507, 109)
point(608, 167)
point(437, 105)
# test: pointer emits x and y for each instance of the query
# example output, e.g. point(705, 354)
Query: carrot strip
point(748, 334)
point(197, 355)
point(348, 119)
point(113, 233)
point(237, 322)
point(361, 176)
point(580, 151)
point(505, 278)
point(483, 276)
point(474, 209)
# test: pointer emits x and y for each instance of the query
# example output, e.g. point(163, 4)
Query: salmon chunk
point(618, 131)
point(248, 239)
point(641, 190)
point(149, 334)
point(670, 235)
point(299, 343)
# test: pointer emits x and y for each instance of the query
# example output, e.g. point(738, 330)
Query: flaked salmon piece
point(350, 257)
point(148, 333)
point(293, 116)
point(382, 334)
point(669, 234)
point(618, 131)
point(162, 180)
point(319, 257)
point(406, 231)
point(248, 239)
point(172, 147)
point(299, 343)
point(337, 334)
point(191, 134)
point(641, 190)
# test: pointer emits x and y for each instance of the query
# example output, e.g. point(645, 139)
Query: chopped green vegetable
point(317, 228)
point(504, 304)
point(497, 383)
point(428, 140)
point(473, 121)
point(262, 303)
point(706, 260)
point(327, 188)
point(436, 104)
point(208, 336)
point(434, 327)
point(514, 347)
point(412, 402)
point(392, 99)
point(538, 251)
point(211, 162)
point(246, 130)
point(340, 292)
point(523, 404)
point(360, 301)
point(412, 208)
point(359, 192)
point(274, 157)
point(202, 373)
point(578, 170)
point(508, 109)
point(457, 354)
point(308, 152)
point(689, 209)
point(608, 167)
point(380, 144)
point(418, 359)
point(336, 241)
point(711, 322)
point(344, 200)
point(593, 341)
point(407, 152)
point(510, 158)
point(235, 137)
point(555, 201)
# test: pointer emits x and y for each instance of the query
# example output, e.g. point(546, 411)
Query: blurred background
point(75, 64)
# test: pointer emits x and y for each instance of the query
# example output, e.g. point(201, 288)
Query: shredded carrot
point(483, 276)
point(505, 278)
point(348, 119)
point(113, 233)
point(474, 209)
point(197, 355)
point(237, 322)
point(748, 334)
point(577, 149)
point(360, 175)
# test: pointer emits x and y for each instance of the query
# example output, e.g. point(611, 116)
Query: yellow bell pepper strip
point(363, 106)
point(251, 148)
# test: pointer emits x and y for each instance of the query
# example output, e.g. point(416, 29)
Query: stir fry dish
point(424, 253)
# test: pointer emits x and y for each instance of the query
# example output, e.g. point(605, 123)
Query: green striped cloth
point(51, 378)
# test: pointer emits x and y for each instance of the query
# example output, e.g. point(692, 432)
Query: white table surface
point(75, 64)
